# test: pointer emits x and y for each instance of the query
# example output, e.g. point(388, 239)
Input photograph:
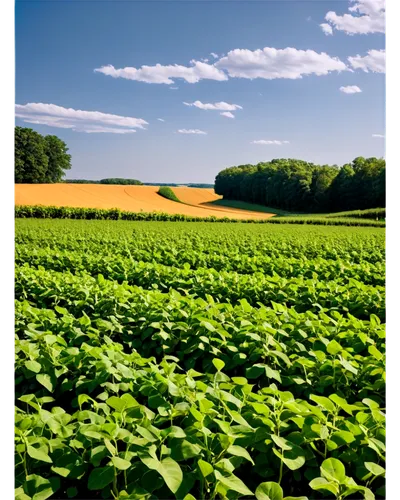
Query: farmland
point(196, 202)
point(163, 360)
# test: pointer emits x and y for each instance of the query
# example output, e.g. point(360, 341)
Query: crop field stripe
point(60, 212)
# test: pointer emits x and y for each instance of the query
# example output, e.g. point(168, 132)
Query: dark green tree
point(31, 161)
point(58, 158)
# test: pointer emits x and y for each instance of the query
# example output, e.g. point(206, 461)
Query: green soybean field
point(202, 360)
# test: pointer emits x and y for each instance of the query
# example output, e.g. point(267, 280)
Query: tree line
point(112, 180)
point(301, 186)
point(39, 159)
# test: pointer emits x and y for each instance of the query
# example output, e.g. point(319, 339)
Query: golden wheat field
point(195, 201)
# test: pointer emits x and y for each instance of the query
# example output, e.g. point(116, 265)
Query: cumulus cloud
point(326, 28)
point(214, 55)
point(263, 142)
point(270, 63)
point(379, 136)
point(375, 61)
point(366, 16)
point(166, 74)
point(350, 89)
point(219, 106)
point(78, 120)
point(191, 131)
point(228, 114)
point(160, 119)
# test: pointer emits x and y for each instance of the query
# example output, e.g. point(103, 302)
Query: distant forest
point(113, 180)
point(119, 180)
point(297, 185)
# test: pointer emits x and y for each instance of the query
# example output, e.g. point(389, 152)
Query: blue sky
point(59, 44)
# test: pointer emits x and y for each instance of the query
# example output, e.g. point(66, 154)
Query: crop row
point(277, 400)
point(121, 268)
point(354, 297)
point(302, 352)
point(228, 248)
point(45, 212)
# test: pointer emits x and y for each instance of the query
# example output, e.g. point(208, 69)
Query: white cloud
point(375, 61)
point(173, 88)
point(166, 74)
point(228, 114)
point(191, 131)
point(214, 55)
point(263, 142)
point(270, 63)
point(219, 106)
point(160, 119)
point(369, 18)
point(78, 120)
point(350, 89)
point(204, 60)
point(326, 28)
point(379, 136)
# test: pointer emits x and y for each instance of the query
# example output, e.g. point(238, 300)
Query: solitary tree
point(31, 161)
point(39, 159)
point(59, 159)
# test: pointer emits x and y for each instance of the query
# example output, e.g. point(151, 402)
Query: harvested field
point(131, 198)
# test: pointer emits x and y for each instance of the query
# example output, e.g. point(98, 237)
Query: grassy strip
point(331, 221)
point(371, 213)
point(166, 192)
point(44, 212)
point(250, 207)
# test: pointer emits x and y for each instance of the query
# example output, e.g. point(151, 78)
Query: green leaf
point(171, 473)
point(332, 469)
point(189, 497)
point(218, 363)
point(146, 434)
point(39, 488)
point(375, 353)
point(72, 492)
point(46, 381)
point(231, 482)
point(205, 468)
point(272, 374)
point(116, 403)
point(281, 442)
point(238, 451)
point(376, 469)
point(324, 402)
point(368, 495)
point(342, 437)
point(269, 491)
point(20, 495)
point(255, 371)
point(99, 478)
point(333, 347)
point(239, 380)
point(120, 463)
point(320, 483)
point(347, 365)
point(39, 453)
point(187, 450)
point(110, 447)
point(295, 498)
point(293, 459)
point(33, 366)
